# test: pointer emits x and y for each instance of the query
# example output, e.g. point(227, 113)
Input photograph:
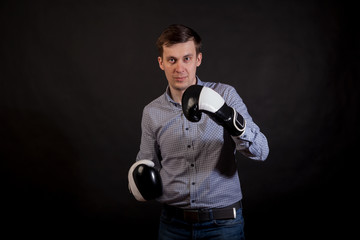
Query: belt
point(201, 215)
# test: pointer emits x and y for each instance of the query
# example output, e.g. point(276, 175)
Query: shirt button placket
point(192, 180)
point(187, 136)
point(192, 184)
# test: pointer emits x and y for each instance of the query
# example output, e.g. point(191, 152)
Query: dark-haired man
point(190, 135)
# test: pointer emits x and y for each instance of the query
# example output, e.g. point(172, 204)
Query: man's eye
point(187, 59)
point(171, 60)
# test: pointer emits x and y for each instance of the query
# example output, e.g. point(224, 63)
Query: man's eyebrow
point(185, 56)
point(170, 57)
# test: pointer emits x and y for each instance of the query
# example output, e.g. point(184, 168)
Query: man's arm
point(149, 148)
point(230, 112)
point(252, 143)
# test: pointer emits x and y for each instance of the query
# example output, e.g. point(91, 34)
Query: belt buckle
point(234, 212)
point(191, 216)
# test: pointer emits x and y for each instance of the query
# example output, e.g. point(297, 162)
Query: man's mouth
point(180, 78)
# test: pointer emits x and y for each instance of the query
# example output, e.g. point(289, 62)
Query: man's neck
point(176, 95)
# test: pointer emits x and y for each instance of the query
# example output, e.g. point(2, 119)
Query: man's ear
point(198, 59)
point(161, 63)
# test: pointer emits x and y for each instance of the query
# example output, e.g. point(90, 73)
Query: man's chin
point(182, 87)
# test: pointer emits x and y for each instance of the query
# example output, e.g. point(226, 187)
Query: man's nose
point(179, 67)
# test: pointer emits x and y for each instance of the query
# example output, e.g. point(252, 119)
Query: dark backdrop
point(75, 76)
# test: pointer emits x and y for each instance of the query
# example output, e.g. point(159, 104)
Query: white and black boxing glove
point(198, 99)
point(144, 181)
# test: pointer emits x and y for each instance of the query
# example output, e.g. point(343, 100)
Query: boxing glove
point(144, 181)
point(198, 99)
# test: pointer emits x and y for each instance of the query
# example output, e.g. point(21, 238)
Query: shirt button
point(192, 165)
point(192, 201)
point(189, 146)
point(186, 128)
point(193, 183)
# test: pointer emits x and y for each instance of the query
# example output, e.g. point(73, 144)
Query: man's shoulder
point(156, 104)
point(219, 87)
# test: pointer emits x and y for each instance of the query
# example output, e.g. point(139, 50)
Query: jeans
point(171, 228)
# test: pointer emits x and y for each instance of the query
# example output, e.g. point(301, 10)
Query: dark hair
point(178, 33)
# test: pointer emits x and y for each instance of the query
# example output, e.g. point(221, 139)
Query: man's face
point(179, 63)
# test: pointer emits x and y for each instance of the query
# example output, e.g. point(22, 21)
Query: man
point(190, 135)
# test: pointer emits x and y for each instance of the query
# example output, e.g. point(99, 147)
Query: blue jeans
point(171, 228)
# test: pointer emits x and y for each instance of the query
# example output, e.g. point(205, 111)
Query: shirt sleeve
point(252, 143)
point(149, 148)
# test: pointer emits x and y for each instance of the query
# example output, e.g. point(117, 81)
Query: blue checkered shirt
point(197, 160)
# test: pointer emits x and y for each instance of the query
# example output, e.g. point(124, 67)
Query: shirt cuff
point(243, 140)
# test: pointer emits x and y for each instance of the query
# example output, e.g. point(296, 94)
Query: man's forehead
point(180, 49)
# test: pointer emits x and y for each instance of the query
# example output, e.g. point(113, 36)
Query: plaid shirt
point(197, 160)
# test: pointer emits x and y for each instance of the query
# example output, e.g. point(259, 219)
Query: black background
point(75, 76)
